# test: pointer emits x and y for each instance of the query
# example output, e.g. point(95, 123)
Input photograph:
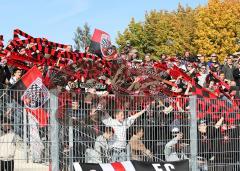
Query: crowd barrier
point(64, 129)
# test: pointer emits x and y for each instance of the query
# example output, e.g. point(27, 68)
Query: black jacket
point(236, 76)
point(4, 74)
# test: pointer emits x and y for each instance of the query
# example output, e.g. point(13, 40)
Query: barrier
point(83, 128)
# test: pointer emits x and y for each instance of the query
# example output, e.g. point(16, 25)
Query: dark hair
point(15, 70)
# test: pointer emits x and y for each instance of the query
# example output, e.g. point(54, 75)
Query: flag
point(100, 43)
point(176, 72)
point(201, 92)
point(134, 166)
point(34, 94)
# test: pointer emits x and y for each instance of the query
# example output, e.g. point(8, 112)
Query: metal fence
point(51, 131)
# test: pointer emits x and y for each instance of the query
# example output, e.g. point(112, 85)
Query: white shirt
point(99, 152)
point(120, 129)
point(170, 151)
point(7, 146)
point(101, 147)
point(202, 79)
point(12, 80)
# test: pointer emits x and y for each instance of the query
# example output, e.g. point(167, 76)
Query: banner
point(134, 166)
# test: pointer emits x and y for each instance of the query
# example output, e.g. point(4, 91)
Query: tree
point(213, 28)
point(161, 32)
point(82, 37)
point(134, 33)
point(218, 27)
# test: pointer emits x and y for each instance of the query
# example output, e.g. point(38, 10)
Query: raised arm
point(136, 115)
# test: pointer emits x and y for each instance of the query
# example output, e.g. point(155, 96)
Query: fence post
point(193, 132)
point(25, 138)
point(54, 129)
point(71, 144)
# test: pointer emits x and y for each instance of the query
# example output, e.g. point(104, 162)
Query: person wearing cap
point(173, 150)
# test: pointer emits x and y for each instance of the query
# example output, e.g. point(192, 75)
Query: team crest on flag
point(36, 95)
point(105, 44)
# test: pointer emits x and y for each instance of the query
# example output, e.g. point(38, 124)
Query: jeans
point(118, 154)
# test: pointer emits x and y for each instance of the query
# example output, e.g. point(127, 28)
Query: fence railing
point(64, 128)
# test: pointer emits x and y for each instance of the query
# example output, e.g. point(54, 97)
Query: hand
point(149, 154)
point(179, 136)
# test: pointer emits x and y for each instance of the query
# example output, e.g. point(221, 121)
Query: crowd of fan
point(99, 106)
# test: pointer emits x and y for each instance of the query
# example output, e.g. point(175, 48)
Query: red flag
point(100, 43)
point(35, 94)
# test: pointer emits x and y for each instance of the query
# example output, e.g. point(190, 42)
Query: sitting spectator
point(138, 149)
point(7, 147)
point(100, 153)
point(173, 149)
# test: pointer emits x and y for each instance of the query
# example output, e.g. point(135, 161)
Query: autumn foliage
point(213, 28)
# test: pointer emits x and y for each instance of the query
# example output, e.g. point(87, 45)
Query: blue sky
point(57, 19)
